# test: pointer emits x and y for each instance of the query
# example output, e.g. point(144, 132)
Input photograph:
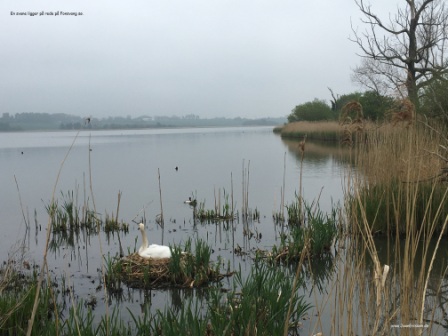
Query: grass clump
point(261, 305)
point(314, 232)
point(68, 220)
point(387, 206)
point(69, 216)
point(17, 292)
point(220, 211)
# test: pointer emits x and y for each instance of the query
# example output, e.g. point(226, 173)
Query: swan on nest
point(152, 251)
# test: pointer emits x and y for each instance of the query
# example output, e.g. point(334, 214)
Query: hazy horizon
point(248, 59)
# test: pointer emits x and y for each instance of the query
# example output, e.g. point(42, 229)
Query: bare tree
point(405, 53)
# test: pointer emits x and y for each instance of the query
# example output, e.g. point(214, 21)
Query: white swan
point(152, 251)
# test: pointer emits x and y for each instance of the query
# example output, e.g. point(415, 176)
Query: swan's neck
point(144, 240)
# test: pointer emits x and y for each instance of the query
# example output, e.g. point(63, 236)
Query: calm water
point(209, 161)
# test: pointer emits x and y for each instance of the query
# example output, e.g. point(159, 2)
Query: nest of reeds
point(179, 272)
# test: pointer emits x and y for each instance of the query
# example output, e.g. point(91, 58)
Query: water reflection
point(318, 152)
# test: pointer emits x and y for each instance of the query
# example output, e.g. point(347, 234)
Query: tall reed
point(395, 164)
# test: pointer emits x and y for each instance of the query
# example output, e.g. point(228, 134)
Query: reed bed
point(398, 191)
point(326, 131)
point(399, 163)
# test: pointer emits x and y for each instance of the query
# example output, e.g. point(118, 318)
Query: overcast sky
point(212, 58)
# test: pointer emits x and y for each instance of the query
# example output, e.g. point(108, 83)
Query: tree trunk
point(411, 82)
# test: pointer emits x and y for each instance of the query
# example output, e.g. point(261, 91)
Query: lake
point(209, 160)
point(141, 164)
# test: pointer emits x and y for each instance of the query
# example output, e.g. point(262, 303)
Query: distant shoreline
point(25, 122)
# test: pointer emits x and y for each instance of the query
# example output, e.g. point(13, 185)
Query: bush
point(311, 111)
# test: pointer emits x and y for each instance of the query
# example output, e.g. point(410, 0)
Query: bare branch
point(406, 50)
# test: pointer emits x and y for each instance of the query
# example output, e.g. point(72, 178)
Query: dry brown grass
point(400, 153)
point(312, 127)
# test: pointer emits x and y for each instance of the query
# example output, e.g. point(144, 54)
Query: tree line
point(403, 57)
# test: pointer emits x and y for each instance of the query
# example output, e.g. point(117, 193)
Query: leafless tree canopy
point(404, 52)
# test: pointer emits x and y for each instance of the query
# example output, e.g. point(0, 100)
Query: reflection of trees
point(319, 271)
point(318, 152)
point(437, 297)
point(315, 272)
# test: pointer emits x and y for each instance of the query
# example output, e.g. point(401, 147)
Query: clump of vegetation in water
point(18, 291)
point(185, 269)
point(112, 225)
point(295, 212)
point(69, 218)
point(220, 212)
point(314, 234)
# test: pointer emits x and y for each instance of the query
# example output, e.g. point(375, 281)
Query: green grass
point(314, 232)
point(16, 305)
point(68, 220)
point(258, 305)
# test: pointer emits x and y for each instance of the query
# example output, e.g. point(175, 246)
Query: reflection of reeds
point(245, 195)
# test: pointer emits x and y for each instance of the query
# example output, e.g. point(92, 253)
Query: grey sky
point(213, 58)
